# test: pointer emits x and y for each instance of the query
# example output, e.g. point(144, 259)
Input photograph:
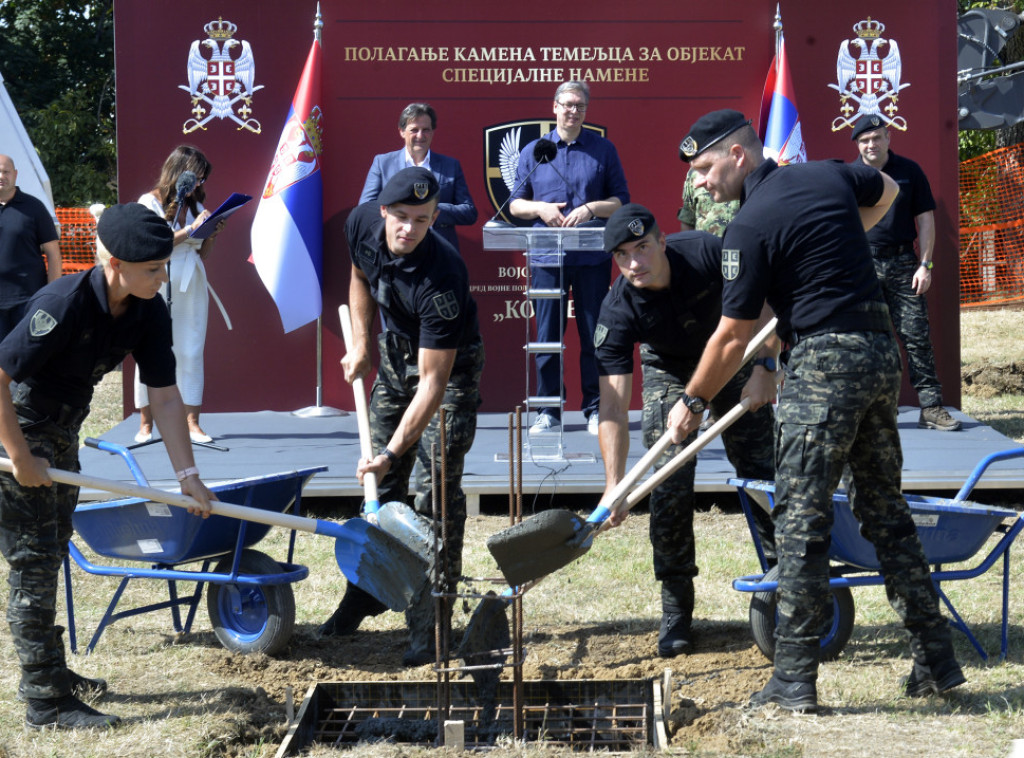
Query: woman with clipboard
point(178, 197)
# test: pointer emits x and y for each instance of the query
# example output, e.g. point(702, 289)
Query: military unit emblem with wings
point(503, 144)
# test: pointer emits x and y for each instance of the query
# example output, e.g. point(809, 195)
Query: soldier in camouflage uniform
point(904, 278)
point(77, 329)
point(669, 300)
point(431, 355)
point(700, 211)
point(798, 241)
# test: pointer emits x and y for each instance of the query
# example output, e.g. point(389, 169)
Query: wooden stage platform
point(266, 442)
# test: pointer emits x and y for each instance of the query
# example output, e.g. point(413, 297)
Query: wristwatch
point(389, 455)
point(928, 264)
point(768, 363)
point(696, 405)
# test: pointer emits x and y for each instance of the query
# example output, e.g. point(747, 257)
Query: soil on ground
point(710, 686)
point(988, 380)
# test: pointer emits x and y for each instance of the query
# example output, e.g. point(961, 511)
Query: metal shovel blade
point(380, 564)
point(412, 529)
point(537, 546)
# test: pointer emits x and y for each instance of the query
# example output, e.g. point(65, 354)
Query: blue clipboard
point(225, 209)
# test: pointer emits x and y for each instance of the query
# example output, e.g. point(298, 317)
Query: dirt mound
point(991, 380)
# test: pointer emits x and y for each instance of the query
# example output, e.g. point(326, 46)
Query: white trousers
point(189, 315)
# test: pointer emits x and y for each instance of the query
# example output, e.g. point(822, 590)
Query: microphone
point(185, 185)
point(544, 151)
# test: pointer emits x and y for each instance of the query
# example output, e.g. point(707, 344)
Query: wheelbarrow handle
point(621, 492)
point(288, 521)
point(362, 415)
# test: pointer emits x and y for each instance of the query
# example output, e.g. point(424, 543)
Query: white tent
point(15, 142)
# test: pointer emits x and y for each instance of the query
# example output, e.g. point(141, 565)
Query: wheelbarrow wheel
point(251, 618)
point(764, 616)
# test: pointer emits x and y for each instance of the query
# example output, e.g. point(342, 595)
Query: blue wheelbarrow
point(249, 598)
point(951, 531)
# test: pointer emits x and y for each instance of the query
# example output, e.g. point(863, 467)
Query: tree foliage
point(58, 67)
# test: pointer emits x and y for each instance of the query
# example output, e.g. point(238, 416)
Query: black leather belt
point(870, 317)
point(891, 251)
point(45, 408)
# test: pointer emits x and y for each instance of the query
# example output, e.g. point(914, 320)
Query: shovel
point(555, 538)
point(488, 629)
point(369, 558)
point(372, 504)
point(396, 518)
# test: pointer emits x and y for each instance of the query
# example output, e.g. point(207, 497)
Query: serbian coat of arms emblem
point(221, 85)
point(868, 71)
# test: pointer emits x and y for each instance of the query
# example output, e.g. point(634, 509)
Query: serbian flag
point(287, 232)
point(779, 125)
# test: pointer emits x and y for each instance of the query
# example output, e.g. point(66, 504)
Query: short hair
point(574, 86)
point(414, 111)
point(745, 137)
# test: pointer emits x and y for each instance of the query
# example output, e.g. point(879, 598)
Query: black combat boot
point(935, 666)
point(81, 686)
point(801, 697)
point(793, 684)
point(66, 712)
point(934, 678)
point(676, 616)
point(355, 606)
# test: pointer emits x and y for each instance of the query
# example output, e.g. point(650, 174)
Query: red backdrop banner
point(653, 68)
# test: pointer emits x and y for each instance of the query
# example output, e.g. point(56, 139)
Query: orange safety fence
point(992, 228)
point(77, 239)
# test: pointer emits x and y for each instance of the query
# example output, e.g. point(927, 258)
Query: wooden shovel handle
point(626, 484)
point(362, 410)
point(176, 499)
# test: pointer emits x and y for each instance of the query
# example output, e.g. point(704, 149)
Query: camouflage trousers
point(35, 526)
point(838, 407)
point(393, 390)
point(748, 445)
point(910, 320)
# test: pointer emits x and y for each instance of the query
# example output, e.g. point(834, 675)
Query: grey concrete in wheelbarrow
point(266, 442)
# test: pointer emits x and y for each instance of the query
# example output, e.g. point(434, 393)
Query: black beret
point(133, 233)
point(412, 186)
point(866, 124)
point(628, 224)
point(709, 129)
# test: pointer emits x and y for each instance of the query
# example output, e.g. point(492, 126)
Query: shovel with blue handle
point(368, 557)
point(487, 631)
point(555, 538)
point(396, 518)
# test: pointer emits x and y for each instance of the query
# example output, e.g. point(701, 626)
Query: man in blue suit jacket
point(416, 126)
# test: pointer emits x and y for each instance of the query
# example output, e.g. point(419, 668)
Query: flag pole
point(777, 26)
point(319, 410)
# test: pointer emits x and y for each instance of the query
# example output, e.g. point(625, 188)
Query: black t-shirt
point(897, 226)
point(798, 241)
point(25, 225)
point(675, 323)
point(68, 340)
point(423, 296)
